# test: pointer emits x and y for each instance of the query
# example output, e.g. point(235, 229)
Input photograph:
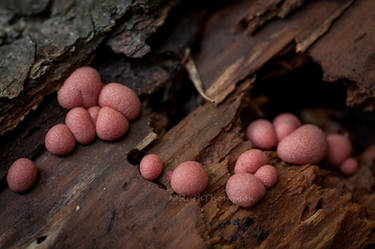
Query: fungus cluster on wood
point(295, 144)
point(252, 175)
point(94, 110)
point(302, 144)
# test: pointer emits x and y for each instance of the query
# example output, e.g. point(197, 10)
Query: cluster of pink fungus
point(188, 179)
point(295, 143)
point(252, 175)
point(302, 144)
point(95, 110)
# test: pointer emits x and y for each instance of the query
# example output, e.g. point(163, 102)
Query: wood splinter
point(192, 70)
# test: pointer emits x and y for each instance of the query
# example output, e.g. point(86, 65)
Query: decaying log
point(95, 197)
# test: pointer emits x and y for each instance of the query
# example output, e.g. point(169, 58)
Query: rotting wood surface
point(95, 198)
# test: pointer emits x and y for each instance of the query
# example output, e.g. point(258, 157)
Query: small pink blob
point(349, 166)
point(189, 178)
point(307, 144)
point(81, 88)
point(80, 124)
point(262, 134)
point(285, 124)
point(339, 149)
point(151, 167)
point(59, 140)
point(244, 189)
point(120, 98)
point(267, 174)
point(22, 175)
point(94, 111)
point(110, 124)
point(250, 161)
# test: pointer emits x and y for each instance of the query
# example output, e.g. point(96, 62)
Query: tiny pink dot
point(250, 161)
point(349, 166)
point(339, 149)
point(262, 134)
point(151, 167)
point(22, 175)
point(189, 178)
point(285, 124)
point(267, 174)
point(244, 189)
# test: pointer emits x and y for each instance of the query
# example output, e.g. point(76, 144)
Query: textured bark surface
point(95, 197)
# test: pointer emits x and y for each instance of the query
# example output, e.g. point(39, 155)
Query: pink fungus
point(285, 124)
point(189, 178)
point(110, 124)
point(339, 149)
point(250, 161)
point(120, 98)
point(93, 111)
point(22, 175)
point(307, 144)
point(80, 124)
point(262, 134)
point(244, 189)
point(151, 167)
point(59, 140)
point(349, 166)
point(81, 88)
point(267, 174)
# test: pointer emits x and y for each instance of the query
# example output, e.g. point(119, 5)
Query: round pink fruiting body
point(59, 140)
point(189, 178)
point(307, 144)
point(22, 175)
point(244, 189)
point(267, 174)
point(339, 149)
point(80, 124)
point(110, 124)
point(94, 111)
point(285, 124)
point(250, 161)
point(151, 167)
point(349, 166)
point(120, 98)
point(81, 88)
point(262, 134)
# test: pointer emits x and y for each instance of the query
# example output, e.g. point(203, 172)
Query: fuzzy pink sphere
point(244, 189)
point(81, 88)
point(285, 124)
point(22, 175)
point(267, 174)
point(80, 124)
point(307, 144)
point(349, 166)
point(262, 134)
point(189, 178)
point(94, 111)
point(120, 98)
point(151, 167)
point(250, 161)
point(59, 140)
point(339, 149)
point(110, 124)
